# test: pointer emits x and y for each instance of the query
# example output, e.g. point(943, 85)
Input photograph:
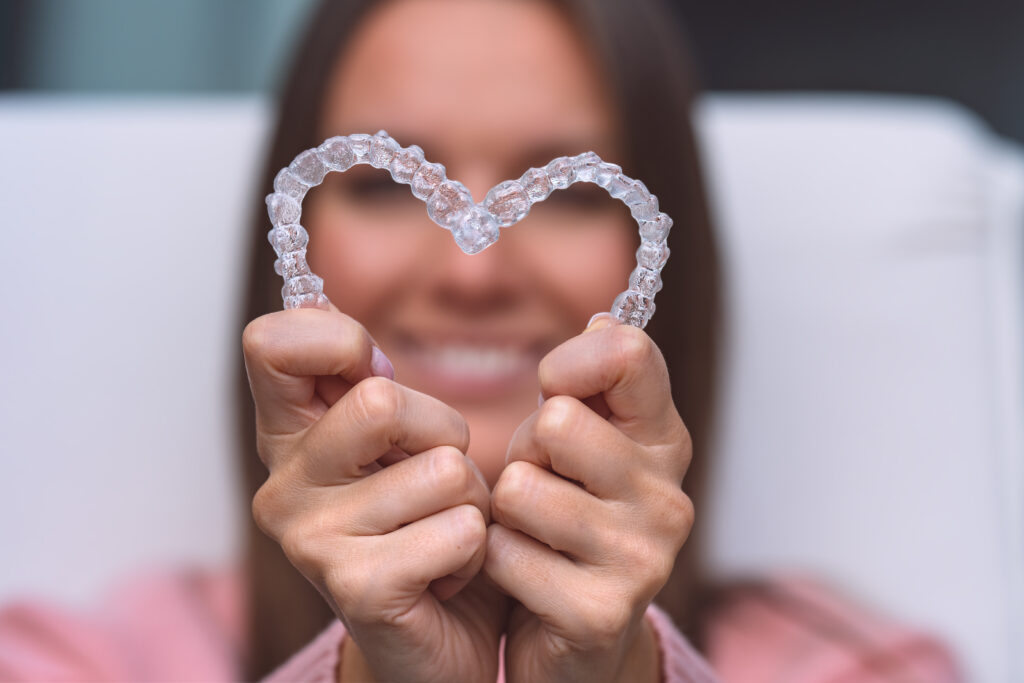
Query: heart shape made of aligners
point(450, 204)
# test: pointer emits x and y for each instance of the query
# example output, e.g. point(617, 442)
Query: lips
point(464, 368)
point(477, 361)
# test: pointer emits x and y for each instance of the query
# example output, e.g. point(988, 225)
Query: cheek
point(585, 266)
point(365, 260)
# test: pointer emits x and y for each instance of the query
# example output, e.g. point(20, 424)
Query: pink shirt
point(187, 625)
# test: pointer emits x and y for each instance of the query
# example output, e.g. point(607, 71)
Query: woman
point(521, 87)
point(430, 561)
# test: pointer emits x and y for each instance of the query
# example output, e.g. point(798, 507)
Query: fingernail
point(380, 366)
point(599, 320)
point(540, 399)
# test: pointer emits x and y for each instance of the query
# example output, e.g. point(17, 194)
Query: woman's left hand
point(588, 514)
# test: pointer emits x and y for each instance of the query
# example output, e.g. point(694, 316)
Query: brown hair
point(641, 50)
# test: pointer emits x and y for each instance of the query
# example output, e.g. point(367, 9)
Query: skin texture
point(564, 520)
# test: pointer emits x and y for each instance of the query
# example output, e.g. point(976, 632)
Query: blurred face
point(487, 88)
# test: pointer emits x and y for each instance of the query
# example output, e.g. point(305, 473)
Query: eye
point(372, 190)
point(582, 197)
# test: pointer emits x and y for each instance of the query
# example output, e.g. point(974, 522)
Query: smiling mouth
point(477, 361)
point(468, 368)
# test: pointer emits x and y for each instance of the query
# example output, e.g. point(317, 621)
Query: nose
point(488, 281)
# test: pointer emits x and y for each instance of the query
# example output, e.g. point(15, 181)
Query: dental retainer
point(450, 204)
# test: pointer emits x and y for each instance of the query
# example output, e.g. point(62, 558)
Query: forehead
point(465, 76)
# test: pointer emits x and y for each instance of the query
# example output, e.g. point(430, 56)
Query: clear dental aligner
point(449, 204)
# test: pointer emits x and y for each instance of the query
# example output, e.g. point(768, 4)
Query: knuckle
point(607, 620)
point(674, 520)
point(629, 547)
point(617, 620)
point(264, 341)
point(377, 400)
point(658, 572)
point(351, 585)
point(263, 511)
point(450, 470)
point(685, 438)
point(556, 419)
point(512, 488)
point(301, 548)
point(254, 334)
point(676, 452)
point(632, 345)
point(647, 559)
point(269, 508)
point(471, 525)
point(685, 441)
point(256, 337)
point(307, 542)
point(654, 566)
point(679, 517)
point(547, 369)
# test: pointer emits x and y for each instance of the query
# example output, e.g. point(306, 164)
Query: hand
point(391, 541)
point(588, 514)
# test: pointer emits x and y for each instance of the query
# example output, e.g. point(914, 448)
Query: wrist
point(642, 661)
point(352, 666)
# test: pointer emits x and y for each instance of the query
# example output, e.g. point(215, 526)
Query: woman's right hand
point(394, 543)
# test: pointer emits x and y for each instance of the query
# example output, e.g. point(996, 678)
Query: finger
point(375, 417)
point(567, 437)
point(530, 572)
point(622, 363)
point(449, 586)
point(450, 542)
point(551, 510)
point(284, 353)
point(332, 387)
point(412, 489)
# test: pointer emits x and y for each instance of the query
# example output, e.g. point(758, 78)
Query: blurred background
point(866, 170)
point(970, 52)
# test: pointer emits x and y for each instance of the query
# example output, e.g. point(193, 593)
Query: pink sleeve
point(318, 661)
point(680, 663)
point(137, 631)
point(39, 642)
point(315, 663)
point(797, 629)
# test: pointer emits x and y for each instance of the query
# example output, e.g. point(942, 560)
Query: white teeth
point(477, 361)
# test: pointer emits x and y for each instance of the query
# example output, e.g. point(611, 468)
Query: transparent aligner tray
point(449, 204)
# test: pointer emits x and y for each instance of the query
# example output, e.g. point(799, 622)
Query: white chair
point(871, 422)
point(871, 419)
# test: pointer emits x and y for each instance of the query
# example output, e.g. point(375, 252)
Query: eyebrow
point(543, 152)
point(537, 154)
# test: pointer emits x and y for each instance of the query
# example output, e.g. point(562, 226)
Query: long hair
point(640, 48)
